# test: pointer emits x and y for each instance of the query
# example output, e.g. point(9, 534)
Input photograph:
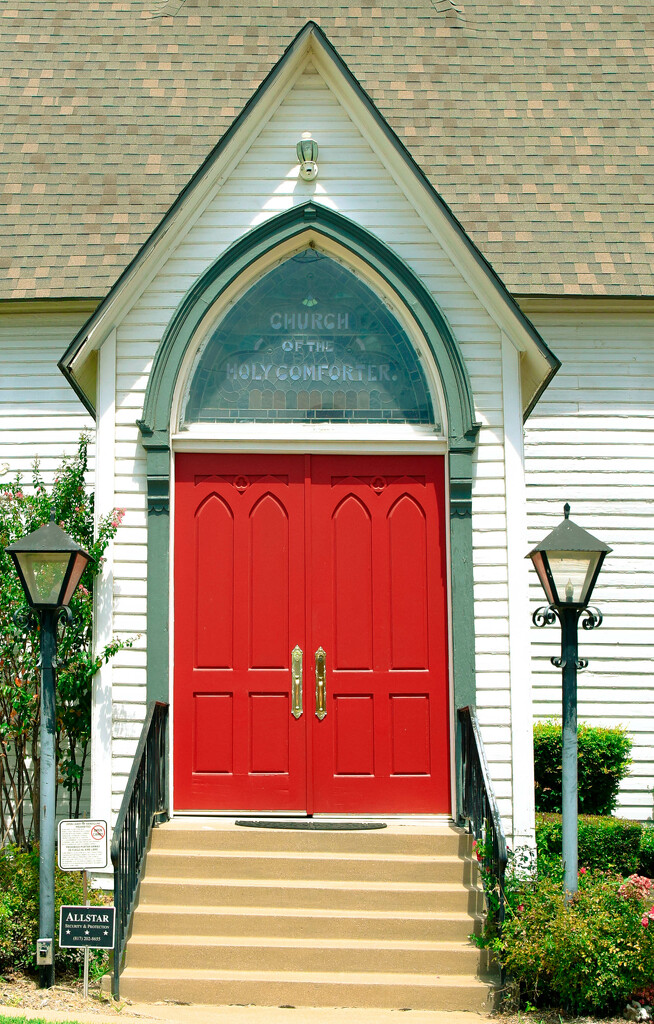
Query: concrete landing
point(165, 1013)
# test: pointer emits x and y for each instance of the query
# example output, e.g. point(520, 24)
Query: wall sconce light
point(307, 154)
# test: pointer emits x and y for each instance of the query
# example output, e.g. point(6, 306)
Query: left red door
point(239, 557)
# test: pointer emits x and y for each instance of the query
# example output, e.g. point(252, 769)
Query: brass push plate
point(296, 682)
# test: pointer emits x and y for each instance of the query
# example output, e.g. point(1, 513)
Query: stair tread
point(312, 883)
point(300, 977)
point(436, 945)
point(317, 855)
point(183, 823)
point(319, 912)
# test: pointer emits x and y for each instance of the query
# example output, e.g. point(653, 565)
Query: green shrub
point(19, 911)
point(604, 758)
point(587, 956)
point(605, 843)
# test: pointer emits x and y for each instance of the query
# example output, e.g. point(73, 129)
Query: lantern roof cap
point(49, 537)
point(568, 536)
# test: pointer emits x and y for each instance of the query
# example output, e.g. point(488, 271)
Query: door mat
point(317, 826)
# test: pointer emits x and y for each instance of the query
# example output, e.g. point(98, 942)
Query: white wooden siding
point(590, 441)
point(354, 181)
point(40, 416)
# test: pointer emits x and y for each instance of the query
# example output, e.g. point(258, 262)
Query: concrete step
point(345, 956)
point(373, 919)
point(411, 840)
point(285, 922)
point(321, 866)
point(297, 988)
point(334, 895)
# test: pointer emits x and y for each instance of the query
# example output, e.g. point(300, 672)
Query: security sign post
point(84, 927)
point(83, 847)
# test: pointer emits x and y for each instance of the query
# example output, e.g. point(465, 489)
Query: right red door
point(377, 608)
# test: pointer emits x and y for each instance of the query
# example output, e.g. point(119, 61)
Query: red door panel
point(343, 552)
point(239, 568)
point(379, 609)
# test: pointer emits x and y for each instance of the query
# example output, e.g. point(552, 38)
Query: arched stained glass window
point(309, 342)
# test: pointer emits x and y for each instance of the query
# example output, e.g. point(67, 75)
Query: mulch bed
point(23, 993)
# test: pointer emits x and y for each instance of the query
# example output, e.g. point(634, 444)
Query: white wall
point(40, 416)
point(354, 181)
point(590, 441)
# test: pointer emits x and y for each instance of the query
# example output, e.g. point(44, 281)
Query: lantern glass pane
point(44, 574)
point(539, 566)
point(78, 567)
point(573, 574)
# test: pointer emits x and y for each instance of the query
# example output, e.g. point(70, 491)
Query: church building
point(353, 300)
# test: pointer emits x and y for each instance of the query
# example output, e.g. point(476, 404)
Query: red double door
point(311, 634)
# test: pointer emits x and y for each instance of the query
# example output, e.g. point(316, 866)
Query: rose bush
point(586, 956)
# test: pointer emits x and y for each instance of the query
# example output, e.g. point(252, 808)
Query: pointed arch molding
point(155, 426)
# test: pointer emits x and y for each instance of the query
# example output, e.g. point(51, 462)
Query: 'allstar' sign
point(87, 926)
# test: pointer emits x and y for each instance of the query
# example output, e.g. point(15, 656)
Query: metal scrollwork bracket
point(26, 619)
point(544, 616)
point(65, 615)
point(591, 618)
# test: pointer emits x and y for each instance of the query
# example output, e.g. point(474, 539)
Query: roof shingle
point(533, 121)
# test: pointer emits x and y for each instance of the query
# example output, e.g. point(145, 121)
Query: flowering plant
point(588, 955)
point(21, 512)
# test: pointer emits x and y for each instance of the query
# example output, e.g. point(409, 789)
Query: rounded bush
point(604, 759)
point(587, 956)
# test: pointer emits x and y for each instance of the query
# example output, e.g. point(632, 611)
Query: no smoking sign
point(82, 844)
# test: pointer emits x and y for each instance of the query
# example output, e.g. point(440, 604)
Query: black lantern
point(50, 565)
point(568, 562)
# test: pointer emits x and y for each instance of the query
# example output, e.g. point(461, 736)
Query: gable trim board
point(103, 620)
point(538, 364)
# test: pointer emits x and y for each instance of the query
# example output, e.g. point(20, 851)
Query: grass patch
point(32, 1020)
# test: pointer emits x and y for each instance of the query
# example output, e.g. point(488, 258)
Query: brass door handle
point(296, 682)
point(321, 683)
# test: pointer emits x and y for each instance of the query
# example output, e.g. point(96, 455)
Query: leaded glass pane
point(309, 342)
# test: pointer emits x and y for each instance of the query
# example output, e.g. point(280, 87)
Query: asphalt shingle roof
point(533, 121)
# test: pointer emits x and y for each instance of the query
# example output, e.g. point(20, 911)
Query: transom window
point(308, 342)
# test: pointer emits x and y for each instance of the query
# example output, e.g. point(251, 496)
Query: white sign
point(83, 844)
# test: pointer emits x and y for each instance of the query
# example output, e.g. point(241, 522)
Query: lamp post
point(49, 564)
point(568, 562)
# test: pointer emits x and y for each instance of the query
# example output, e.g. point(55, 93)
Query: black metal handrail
point(479, 807)
point(145, 803)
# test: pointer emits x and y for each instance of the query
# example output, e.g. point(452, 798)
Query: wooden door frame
point(345, 445)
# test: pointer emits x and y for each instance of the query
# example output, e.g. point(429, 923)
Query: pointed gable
point(366, 174)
